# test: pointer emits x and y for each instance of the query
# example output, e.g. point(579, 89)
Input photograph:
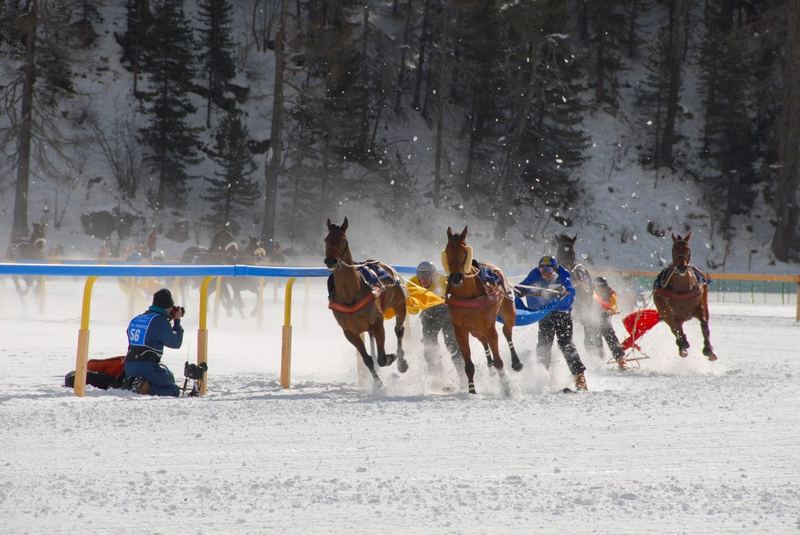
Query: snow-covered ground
point(676, 446)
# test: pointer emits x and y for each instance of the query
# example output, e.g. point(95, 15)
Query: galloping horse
point(584, 308)
point(358, 306)
point(474, 305)
point(32, 248)
point(680, 293)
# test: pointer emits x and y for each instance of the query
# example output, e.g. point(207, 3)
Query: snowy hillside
point(619, 201)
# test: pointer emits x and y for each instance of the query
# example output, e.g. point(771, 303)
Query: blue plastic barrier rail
point(167, 270)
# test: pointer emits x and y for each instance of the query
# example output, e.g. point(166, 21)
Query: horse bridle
point(687, 256)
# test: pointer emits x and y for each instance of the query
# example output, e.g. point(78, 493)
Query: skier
point(552, 282)
point(436, 319)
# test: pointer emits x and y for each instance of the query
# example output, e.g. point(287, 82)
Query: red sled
point(638, 323)
point(101, 373)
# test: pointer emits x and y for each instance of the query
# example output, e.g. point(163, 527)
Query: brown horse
point(474, 305)
point(358, 307)
point(680, 293)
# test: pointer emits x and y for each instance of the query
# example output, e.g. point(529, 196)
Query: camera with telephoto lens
point(175, 309)
point(194, 371)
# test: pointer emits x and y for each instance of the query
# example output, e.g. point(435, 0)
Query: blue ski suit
point(148, 334)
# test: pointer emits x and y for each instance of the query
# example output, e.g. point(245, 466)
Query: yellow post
point(260, 302)
point(217, 298)
point(797, 301)
point(202, 333)
point(83, 339)
point(286, 338)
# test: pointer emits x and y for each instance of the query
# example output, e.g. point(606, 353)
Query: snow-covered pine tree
point(651, 93)
point(232, 190)
point(728, 140)
point(216, 58)
point(134, 40)
point(171, 140)
point(608, 33)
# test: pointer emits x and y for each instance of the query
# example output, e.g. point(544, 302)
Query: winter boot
point(140, 385)
point(621, 364)
point(580, 382)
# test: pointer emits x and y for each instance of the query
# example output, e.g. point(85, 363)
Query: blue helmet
point(548, 261)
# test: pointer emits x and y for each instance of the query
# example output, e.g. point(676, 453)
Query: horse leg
point(376, 329)
point(20, 291)
point(681, 341)
point(399, 331)
point(516, 364)
point(488, 352)
point(358, 343)
point(708, 351)
point(462, 337)
point(509, 315)
point(680, 337)
point(491, 337)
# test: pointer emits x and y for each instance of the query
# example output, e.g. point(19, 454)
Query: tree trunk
point(19, 228)
point(423, 42)
point(272, 169)
point(679, 11)
point(784, 242)
point(364, 130)
point(632, 29)
point(600, 90)
point(402, 71)
point(437, 177)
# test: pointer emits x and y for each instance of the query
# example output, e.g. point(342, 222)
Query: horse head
point(336, 248)
point(38, 239)
point(456, 257)
point(565, 250)
point(681, 253)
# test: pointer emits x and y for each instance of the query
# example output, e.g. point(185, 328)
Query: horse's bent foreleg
point(488, 353)
point(676, 327)
point(702, 315)
point(358, 343)
point(491, 336)
point(399, 331)
point(462, 338)
point(516, 364)
point(378, 331)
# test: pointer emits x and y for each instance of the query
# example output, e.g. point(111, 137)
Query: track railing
point(207, 272)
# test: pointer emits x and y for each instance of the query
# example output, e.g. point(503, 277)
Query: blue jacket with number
point(148, 333)
point(535, 278)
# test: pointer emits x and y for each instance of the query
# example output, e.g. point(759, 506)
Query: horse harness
point(661, 288)
point(376, 287)
point(493, 292)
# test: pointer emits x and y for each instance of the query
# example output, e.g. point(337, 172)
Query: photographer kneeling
point(148, 333)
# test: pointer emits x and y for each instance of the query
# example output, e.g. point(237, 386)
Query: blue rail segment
point(168, 270)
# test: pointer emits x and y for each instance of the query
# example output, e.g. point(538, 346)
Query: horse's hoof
point(516, 365)
point(683, 353)
point(472, 388)
point(402, 365)
point(378, 385)
point(498, 364)
point(387, 360)
point(489, 363)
